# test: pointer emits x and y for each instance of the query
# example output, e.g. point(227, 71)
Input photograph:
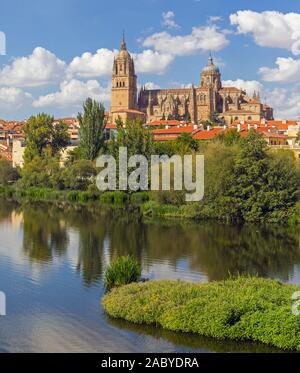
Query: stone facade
point(124, 87)
point(195, 104)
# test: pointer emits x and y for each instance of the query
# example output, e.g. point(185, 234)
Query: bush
point(116, 198)
point(138, 198)
point(122, 271)
point(73, 196)
point(171, 197)
point(8, 174)
point(245, 308)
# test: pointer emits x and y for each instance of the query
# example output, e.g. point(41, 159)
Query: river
point(52, 262)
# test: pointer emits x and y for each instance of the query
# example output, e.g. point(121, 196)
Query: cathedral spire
point(123, 44)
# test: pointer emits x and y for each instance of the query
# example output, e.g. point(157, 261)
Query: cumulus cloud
point(269, 28)
point(287, 70)
point(150, 61)
point(168, 19)
point(201, 39)
point(247, 85)
point(212, 19)
point(286, 102)
point(151, 85)
point(91, 65)
point(73, 93)
point(40, 68)
point(13, 98)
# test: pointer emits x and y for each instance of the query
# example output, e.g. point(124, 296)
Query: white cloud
point(200, 39)
point(91, 65)
point(213, 19)
point(287, 70)
point(151, 85)
point(150, 61)
point(286, 102)
point(100, 64)
point(247, 85)
point(270, 28)
point(40, 68)
point(168, 19)
point(73, 93)
point(13, 98)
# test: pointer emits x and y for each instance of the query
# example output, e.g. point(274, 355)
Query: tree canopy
point(41, 133)
point(92, 125)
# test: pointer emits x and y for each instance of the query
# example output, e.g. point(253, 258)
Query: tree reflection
point(213, 249)
point(44, 233)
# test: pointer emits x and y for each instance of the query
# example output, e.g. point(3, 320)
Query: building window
point(249, 118)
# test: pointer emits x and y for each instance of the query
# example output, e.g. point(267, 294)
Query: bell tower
point(124, 90)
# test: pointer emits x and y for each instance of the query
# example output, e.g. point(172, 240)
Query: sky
point(54, 54)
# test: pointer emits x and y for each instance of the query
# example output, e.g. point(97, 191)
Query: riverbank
point(244, 309)
point(165, 205)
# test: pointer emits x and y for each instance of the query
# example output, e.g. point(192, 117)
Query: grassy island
point(246, 308)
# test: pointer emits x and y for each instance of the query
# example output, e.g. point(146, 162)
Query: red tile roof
point(173, 130)
point(164, 123)
point(207, 135)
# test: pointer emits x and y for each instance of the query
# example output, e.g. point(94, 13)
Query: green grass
point(122, 271)
point(245, 308)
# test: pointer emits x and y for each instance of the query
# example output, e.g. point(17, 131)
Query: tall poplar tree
point(92, 124)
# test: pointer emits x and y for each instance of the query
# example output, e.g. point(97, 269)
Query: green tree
point(185, 143)
point(8, 174)
point(263, 183)
point(60, 137)
point(92, 124)
point(41, 133)
point(41, 171)
point(134, 136)
point(79, 175)
point(229, 137)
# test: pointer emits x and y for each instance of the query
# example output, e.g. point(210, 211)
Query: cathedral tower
point(210, 75)
point(124, 90)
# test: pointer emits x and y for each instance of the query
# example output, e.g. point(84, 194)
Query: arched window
point(249, 118)
point(236, 118)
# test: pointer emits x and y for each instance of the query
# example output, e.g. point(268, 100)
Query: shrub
point(120, 198)
point(8, 174)
point(245, 308)
point(122, 271)
point(73, 196)
point(171, 197)
point(116, 198)
point(138, 198)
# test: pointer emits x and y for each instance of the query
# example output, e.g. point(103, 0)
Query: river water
point(52, 262)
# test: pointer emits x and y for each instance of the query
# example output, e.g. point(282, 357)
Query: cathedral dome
point(211, 67)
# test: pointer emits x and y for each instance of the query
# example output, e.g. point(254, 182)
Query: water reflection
point(52, 260)
point(213, 250)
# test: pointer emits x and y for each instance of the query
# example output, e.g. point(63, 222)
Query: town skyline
point(169, 46)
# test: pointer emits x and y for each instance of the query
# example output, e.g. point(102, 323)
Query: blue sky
point(58, 52)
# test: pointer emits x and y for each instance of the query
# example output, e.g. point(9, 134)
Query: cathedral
point(209, 100)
